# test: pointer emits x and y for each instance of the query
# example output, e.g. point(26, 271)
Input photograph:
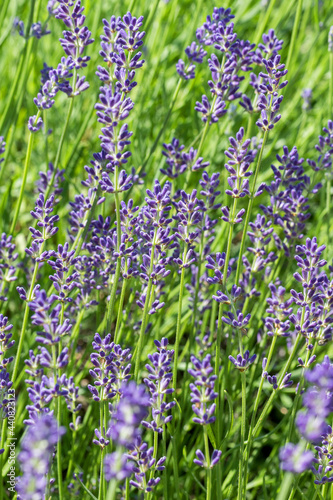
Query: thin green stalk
point(72, 453)
point(117, 273)
point(155, 458)
point(25, 321)
point(24, 179)
point(209, 470)
point(166, 119)
point(120, 310)
point(74, 339)
point(298, 395)
point(249, 208)
point(331, 84)
point(179, 319)
point(294, 33)
point(175, 461)
point(218, 346)
point(3, 12)
point(286, 485)
point(59, 462)
point(164, 473)
point(220, 396)
point(243, 431)
point(197, 286)
point(261, 28)
point(269, 403)
point(112, 489)
point(101, 489)
point(113, 296)
point(328, 186)
point(142, 329)
point(61, 142)
point(255, 409)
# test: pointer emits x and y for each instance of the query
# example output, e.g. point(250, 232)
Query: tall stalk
point(218, 341)
point(179, 319)
point(254, 413)
point(209, 470)
point(243, 431)
point(101, 489)
point(143, 328)
point(25, 320)
point(249, 207)
point(166, 119)
point(146, 307)
point(294, 33)
point(328, 187)
point(24, 178)
point(269, 403)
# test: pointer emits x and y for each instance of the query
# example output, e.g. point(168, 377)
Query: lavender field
point(166, 249)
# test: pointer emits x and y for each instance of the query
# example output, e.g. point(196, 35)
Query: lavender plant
point(166, 298)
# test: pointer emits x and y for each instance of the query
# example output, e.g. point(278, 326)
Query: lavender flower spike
point(294, 458)
point(35, 457)
point(242, 363)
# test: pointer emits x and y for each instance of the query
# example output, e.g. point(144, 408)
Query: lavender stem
point(249, 208)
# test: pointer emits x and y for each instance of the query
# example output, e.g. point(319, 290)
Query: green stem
point(243, 430)
point(331, 86)
point(166, 119)
point(120, 310)
point(61, 142)
point(112, 489)
point(164, 473)
point(218, 347)
point(179, 319)
point(24, 179)
point(220, 395)
point(25, 321)
point(101, 492)
point(113, 296)
point(255, 409)
point(117, 273)
point(294, 33)
point(175, 462)
point(21, 68)
point(269, 403)
point(299, 394)
point(142, 329)
point(209, 470)
point(249, 208)
point(75, 338)
point(59, 463)
point(72, 452)
point(264, 22)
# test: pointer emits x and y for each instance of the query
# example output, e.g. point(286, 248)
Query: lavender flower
point(8, 256)
point(76, 38)
point(117, 466)
point(294, 458)
point(202, 390)
point(158, 381)
point(239, 159)
point(35, 457)
point(130, 411)
point(242, 363)
point(144, 464)
point(2, 148)
point(201, 460)
point(325, 150)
